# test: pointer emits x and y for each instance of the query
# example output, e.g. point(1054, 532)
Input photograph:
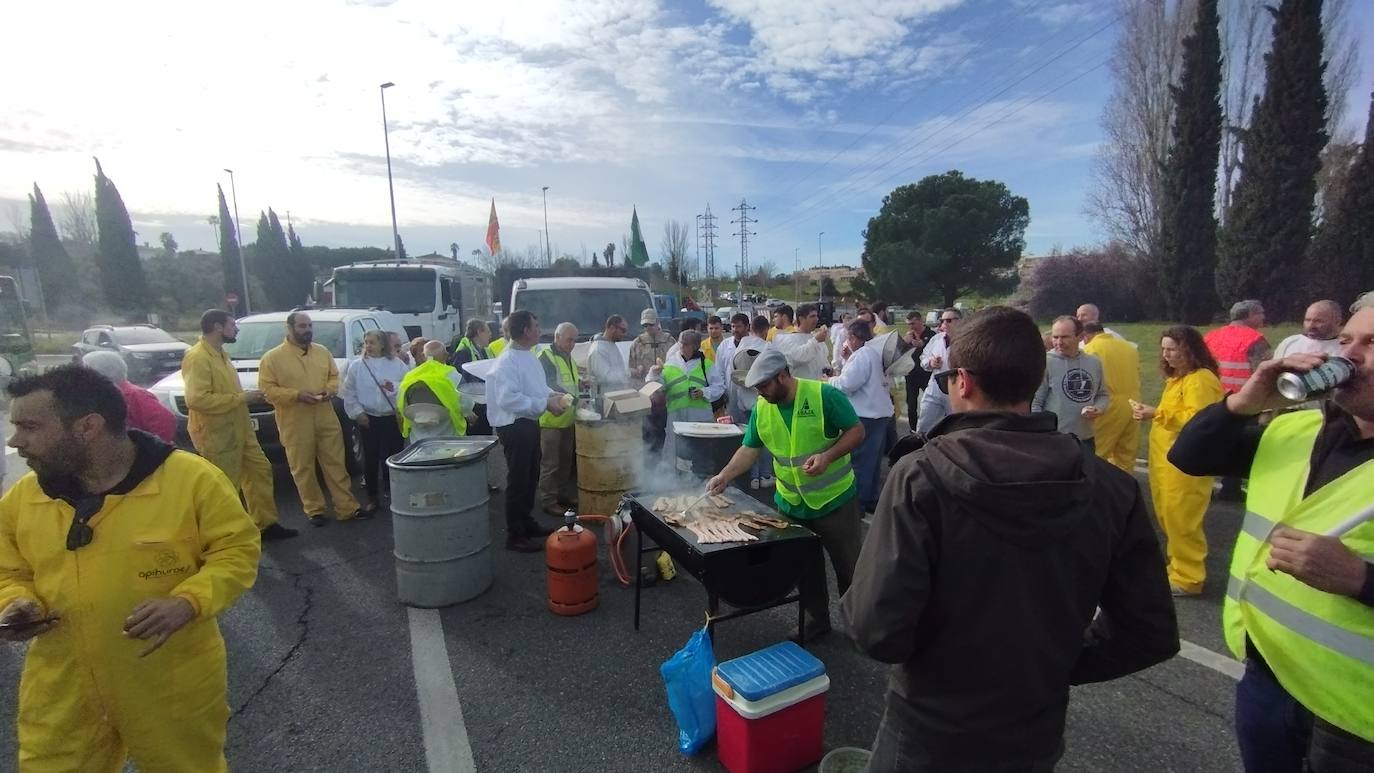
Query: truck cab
point(585, 301)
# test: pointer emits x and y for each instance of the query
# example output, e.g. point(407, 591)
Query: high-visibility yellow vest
point(790, 450)
point(477, 352)
point(567, 378)
point(433, 374)
point(496, 347)
point(678, 383)
point(1319, 645)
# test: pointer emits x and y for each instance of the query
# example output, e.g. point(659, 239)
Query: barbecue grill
point(749, 576)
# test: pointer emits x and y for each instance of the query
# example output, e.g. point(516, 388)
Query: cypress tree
point(1187, 260)
point(1270, 225)
point(1341, 260)
point(56, 270)
point(121, 272)
point(229, 252)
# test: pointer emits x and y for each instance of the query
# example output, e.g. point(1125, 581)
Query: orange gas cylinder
point(570, 555)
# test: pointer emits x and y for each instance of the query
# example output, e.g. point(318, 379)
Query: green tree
point(948, 232)
point(828, 288)
point(1186, 263)
point(285, 278)
point(121, 273)
point(169, 244)
point(1270, 222)
point(1340, 262)
point(230, 259)
point(56, 270)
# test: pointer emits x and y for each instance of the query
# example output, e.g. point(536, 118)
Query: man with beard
point(117, 553)
point(300, 379)
point(218, 422)
point(1299, 606)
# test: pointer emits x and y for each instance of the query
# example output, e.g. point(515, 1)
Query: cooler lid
point(770, 670)
point(444, 452)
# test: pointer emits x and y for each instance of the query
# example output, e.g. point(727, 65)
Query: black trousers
point(381, 439)
point(842, 537)
point(479, 425)
point(916, 380)
point(521, 444)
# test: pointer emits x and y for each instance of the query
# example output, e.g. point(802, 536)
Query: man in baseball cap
point(810, 428)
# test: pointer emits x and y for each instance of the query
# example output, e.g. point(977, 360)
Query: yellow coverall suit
point(309, 433)
point(1117, 437)
point(86, 698)
point(1181, 500)
point(222, 431)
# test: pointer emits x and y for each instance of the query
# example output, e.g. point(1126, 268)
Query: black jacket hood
point(1015, 473)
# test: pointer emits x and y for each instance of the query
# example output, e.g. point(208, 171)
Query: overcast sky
point(810, 109)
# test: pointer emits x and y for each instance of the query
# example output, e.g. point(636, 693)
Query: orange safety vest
point(1230, 345)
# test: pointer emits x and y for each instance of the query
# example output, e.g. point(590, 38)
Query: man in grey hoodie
point(1074, 389)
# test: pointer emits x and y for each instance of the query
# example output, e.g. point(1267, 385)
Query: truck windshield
point(402, 290)
point(258, 338)
point(586, 308)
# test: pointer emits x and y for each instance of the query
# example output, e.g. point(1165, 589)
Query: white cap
point(648, 317)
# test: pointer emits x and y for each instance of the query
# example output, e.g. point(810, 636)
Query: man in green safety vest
point(690, 385)
point(472, 348)
point(433, 381)
point(1299, 607)
point(810, 428)
point(557, 461)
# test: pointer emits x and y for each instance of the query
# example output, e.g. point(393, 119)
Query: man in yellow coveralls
point(218, 421)
point(117, 553)
point(300, 378)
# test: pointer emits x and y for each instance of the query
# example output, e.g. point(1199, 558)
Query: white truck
point(433, 296)
point(338, 330)
point(585, 301)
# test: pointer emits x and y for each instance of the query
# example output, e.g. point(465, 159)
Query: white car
point(339, 330)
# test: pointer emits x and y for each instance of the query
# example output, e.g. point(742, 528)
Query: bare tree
point(76, 218)
point(1127, 181)
point(17, 215)
point(1245, 34)
point(673, 250)
point(1342, 56)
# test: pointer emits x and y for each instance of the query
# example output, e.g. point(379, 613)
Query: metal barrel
point(609, 457)
point(442, 533)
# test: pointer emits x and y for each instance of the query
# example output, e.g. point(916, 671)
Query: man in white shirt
point(805, 350)
point(1320, 327)
point(745, 335)
point(605, 363)
point(862, 381)
point(935, 359)
point(517, 395)
point(838, 333)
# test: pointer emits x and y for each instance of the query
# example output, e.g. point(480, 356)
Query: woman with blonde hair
point(1180, 500)
point(370, 386)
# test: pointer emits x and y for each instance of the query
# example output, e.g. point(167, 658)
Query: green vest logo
point(805, 409)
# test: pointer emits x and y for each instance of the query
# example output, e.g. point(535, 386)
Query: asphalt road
point(321, 675)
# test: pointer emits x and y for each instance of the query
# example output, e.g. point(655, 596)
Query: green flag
point(639, 254)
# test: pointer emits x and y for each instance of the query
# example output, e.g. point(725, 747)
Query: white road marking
point(441, 715)
point(1205, 657)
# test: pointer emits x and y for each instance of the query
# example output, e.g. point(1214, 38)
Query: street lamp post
point(238, 234)
point(548, 243)
point(390, 187)
point(818, 248)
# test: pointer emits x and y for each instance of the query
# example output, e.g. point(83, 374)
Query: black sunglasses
point(81, 534)
point(942, 379)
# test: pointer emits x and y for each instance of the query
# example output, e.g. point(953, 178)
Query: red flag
point(493, 231)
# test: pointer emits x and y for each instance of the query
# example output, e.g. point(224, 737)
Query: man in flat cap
point(810, 428)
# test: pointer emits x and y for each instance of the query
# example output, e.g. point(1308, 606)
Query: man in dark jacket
point(1005, 563)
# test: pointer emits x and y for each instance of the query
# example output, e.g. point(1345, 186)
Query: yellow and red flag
point(493, 231)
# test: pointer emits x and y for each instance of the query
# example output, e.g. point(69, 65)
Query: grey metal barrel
point(439, 521)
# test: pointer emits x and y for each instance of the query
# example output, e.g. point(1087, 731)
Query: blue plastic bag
point(687, 677)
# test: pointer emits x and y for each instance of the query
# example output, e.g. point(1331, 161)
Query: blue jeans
point(868, 461)
point(1272, 728)
point(1277, 734)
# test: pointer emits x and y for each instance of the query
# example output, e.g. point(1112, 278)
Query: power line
point(855, 183)
point(902, 106)
point(744, 221)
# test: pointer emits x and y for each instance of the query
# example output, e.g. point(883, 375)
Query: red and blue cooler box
point(770, 710)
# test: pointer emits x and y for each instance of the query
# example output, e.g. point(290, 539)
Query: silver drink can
point(1323, 378)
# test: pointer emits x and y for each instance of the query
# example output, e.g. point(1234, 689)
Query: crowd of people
point(1010, 552)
